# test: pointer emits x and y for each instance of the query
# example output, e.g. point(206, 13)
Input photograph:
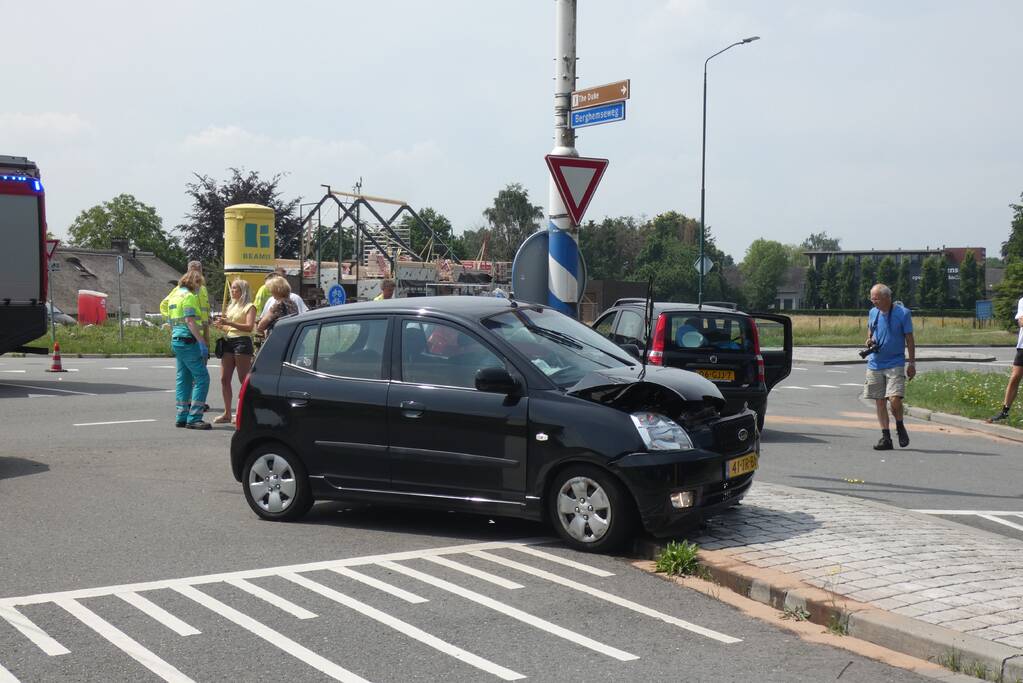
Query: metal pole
point(563, 235)
point(703, 163)
point(120, 306)
point(53, 331)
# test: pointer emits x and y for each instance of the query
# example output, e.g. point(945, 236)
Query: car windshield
point(562, 348)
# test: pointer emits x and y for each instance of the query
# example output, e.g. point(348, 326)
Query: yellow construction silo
point(248, 245)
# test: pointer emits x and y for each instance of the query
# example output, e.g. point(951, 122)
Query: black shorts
point(1018, 360)
point(240, 346)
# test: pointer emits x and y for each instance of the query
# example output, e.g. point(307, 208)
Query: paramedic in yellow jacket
point(190, 350)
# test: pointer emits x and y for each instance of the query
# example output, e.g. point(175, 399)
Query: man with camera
point(891, 334)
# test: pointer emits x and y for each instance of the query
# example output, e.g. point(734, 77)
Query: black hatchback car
point(487, 405)
point(744, 354)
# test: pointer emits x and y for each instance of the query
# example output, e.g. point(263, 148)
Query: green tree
point(1012, 248)
point(668, 255)
point(420, 238)
point(946, 287)
point(797, 259)
point(982, 292)
point(887, 272)
point(204, 231)
point(831, 296)
point(903, 284)
point(611, 248)
point(763, 268)
point(1007, 294)
point(820, 241)
point(868, 278)
point(968, 280)
point(847, 284)
point(125, 216)
point(811, 290)
point(931, 287)
point(512, 219)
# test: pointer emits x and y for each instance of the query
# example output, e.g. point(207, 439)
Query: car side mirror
point(632, 350)
point(496, 380)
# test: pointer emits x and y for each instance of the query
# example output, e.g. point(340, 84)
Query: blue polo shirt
point(890, 332)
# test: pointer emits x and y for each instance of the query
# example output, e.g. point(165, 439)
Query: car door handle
point(298, 399)
point(412, 409)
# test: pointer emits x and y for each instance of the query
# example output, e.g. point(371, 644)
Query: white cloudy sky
point(888, 124)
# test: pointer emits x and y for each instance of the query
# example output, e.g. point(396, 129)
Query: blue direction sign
point(594, 116)
point(985, 310)
point(336, 295)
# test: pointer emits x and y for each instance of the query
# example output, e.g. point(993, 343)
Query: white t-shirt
point(302, 308)
point(1019, 313)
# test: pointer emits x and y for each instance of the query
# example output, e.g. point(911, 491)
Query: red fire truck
point(23, 257)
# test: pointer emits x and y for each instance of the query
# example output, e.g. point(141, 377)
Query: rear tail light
point(656, 355)
point(761, 377)
point(241, 401)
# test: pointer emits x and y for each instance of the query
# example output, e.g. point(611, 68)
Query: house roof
point(146, 279)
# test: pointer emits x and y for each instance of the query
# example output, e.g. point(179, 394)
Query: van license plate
point(720, 375)
point(737, 467)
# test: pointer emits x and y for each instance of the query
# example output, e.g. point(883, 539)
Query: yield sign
point(51, 247)
point(576, 179)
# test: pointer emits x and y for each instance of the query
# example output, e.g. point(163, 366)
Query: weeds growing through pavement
point(680, 559)
point(795, 613)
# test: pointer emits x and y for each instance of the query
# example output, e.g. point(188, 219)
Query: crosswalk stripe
point(159, 614)
point(560, 560)
point(513, 612)
point(380, 585)
point(28, 629)
point(275, 600)
point(406, 628)
point(124, 642)
point(279, 640)
point(613, 599)
point(6, 676)
point(472, 571)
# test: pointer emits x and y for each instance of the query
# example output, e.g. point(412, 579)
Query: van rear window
point(709, 332)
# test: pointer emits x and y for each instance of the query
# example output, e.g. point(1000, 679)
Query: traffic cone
point(56, 367)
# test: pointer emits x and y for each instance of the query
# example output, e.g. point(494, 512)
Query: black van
point(745, 355)
point(486, 405)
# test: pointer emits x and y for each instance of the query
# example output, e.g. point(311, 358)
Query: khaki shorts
point(881, 384)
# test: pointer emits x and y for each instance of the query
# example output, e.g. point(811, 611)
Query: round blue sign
point(336, 295)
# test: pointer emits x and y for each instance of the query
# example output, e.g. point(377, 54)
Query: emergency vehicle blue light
point(37, 185)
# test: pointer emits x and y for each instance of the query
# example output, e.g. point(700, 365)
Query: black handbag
point(218, 348)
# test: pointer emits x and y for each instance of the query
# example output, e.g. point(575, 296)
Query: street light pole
point(703, 160)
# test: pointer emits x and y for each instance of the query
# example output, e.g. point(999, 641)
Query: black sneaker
point(884, 444)
point(180, 424)
point(903, 436)
point(1000, 417)
point(207, 425)
point(206, 407)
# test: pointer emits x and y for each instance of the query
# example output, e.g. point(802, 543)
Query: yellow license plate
point(723, 375)
point(737, 467)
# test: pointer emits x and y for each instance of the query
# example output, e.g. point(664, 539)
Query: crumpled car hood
point(668, 390)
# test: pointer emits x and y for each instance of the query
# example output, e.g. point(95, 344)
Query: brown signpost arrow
point(602, 94)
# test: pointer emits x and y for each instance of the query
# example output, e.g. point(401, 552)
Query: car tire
point(590, 509)
point(275, 484)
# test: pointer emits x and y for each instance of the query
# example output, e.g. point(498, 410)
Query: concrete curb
point(1010, 433)
point(896, 632)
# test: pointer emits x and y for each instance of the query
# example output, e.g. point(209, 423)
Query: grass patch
point(968, 393)
point(838, 624)
point(812, 330)
point(680, 559)
point(795, 613)
point(105, 339)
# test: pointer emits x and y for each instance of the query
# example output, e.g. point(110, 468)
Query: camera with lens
point(871, 348)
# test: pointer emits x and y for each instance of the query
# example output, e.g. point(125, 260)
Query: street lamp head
point(750, 39)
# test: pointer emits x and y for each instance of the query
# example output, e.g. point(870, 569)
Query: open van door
point(775, 332)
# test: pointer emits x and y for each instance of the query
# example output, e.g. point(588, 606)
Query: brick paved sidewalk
point(939, 572)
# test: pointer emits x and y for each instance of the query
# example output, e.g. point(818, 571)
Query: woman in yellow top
point(237, 322)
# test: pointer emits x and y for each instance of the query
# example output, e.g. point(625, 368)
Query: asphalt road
point(819, 435)
point(130, 554)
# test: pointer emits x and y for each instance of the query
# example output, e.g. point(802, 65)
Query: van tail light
point(241, 401)
point(761, 376)
point(656, 355)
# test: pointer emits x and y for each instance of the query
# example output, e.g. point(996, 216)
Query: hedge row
point(918, 312)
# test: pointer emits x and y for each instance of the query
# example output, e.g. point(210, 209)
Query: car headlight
point(660, 433)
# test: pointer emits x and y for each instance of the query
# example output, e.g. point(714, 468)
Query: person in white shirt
point(1017, 370)
point(299, 304)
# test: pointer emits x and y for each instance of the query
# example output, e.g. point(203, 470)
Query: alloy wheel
point(584, 509)
point(272, 483)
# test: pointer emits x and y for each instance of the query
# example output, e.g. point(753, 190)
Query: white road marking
point(513, 612)
point(6, 676)
point(115, 422)
point(800, 369)
point(989, 515)
point(999, 520)
point(613, 599)
point(30, 386)
point(28, 629)
point(560, 560)
point(159, 614)
point(380, 585)
point(790, 386)
point(838, 372)
point(406, 628)
point(274, 599)
point(18, 371)
point(824, 386)
point(117, 368)
point(852, 384)
point(279, 640)
point(472, 571)
point(123, 642)
point(163, 367)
